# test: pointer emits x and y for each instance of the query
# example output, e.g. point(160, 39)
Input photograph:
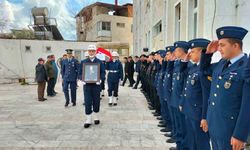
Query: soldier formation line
point(201, 105)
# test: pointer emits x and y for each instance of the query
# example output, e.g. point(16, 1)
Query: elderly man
point(41, 78)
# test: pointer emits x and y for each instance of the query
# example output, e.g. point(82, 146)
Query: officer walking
point(228, 110)
point(92, 90)
point(115, 75)
point(69, 73)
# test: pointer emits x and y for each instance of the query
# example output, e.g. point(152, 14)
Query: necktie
point(226, 65)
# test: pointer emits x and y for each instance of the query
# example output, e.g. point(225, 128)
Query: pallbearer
point(115, 75)
point(92, 90)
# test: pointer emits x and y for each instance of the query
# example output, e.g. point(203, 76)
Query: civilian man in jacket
point(41, 78)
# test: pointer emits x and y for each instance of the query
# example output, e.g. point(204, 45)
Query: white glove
point(99, 83)
point(84, 83)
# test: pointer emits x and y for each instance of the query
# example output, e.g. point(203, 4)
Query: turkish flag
point(103, 54)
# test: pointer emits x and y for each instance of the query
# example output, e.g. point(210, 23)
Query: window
point(195, 3)
point(195, 25)
point(106, 26)
point(157, 28)
point(193, 19)
point(177, 21)
point(120, 25)
point(48, 49)
point(27, 49)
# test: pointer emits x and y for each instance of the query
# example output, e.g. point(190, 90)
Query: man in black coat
point(41, 78)
point(126, 64)
point(131, 70)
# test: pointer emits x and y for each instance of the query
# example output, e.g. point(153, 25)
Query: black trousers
point(131, 79)
point(125, 79)
point(50, 86)
point(138, 80)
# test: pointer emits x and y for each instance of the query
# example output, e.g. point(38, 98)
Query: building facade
point(107, 24)
point(159, 23)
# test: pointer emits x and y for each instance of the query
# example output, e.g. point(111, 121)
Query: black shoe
point(157, 115)
point(97, 122)
point(74, 104)
point(134, 87)
point(130, 86)
point(41, 100)
point(165, 130)
point(102, 95)
point(110, 104)
point(171, 140)
point(150, 108)
point(162, 122)
point(66, 105)
point(115, 104)
point(87, 125)
point(161, 125)
point(168, 135)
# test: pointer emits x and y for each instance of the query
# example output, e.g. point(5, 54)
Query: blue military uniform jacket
point(179, 74)
point(192, 101)
point(226, 104)
point(167, 81)
point(69, 70)
point(96, 60)
point(161, 73)
point(115, 71)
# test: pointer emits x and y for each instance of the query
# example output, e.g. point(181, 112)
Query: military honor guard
point(92, 90)
point(115, 76)
point(192, 104)
point(178, 78)
point(69, 72)
point(228, 105)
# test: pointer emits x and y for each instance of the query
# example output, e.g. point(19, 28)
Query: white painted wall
point(16, 63)
point(227, 12)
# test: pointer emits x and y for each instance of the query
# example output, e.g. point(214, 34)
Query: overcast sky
point(17, 13)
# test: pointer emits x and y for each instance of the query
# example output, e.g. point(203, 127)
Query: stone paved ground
point(26, 123)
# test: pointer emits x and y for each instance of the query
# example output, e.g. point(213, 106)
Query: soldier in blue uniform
point(115, 75)
point(192, 104)
point(159, 81)
point(167, 85)
point(181, 49)
point(92, 90)
point(228, 110)
point(69, 74)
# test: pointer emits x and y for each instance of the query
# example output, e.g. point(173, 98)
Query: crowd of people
point(197, 102)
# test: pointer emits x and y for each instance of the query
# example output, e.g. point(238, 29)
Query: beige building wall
point(117, 35)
